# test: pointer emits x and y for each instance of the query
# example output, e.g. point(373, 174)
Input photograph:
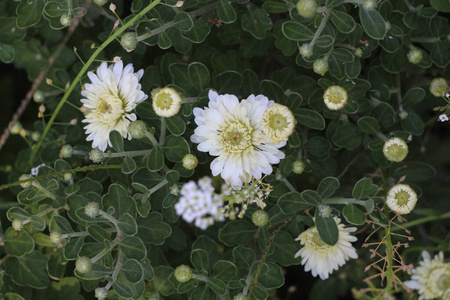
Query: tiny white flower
point(166, 102)
point(401, 198)
point(443, 118)
point(110, 99)
point(335, 97)
point(431, 278)
point(320, 258)
point(278, 123)
point(395, 149)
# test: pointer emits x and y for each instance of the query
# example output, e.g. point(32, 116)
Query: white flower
point(166, 102)
point(443, 118)
point(199, 203)
point(114, 92)
point(431, 278)
point(401, 199)
point(320, 258)
point(335, 97)
point(395, 149)
point(231, 130)
point(278, 123)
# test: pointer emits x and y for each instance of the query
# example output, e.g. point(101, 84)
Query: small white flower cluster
point(199, 203)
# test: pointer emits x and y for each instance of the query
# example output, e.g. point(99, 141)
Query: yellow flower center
point(236, 137)
point(109, 109)
point(402, 198)
point(314, 241)
point(103, 107)
point(278, 122)
point(443, 282)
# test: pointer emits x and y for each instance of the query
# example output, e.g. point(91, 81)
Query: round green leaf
point(297, 32)
point(18, 243)
point(353, 214)
point(327, 228)
point(237, 232)
point(373, 23)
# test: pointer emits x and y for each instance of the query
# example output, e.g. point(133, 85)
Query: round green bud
point(298, 166)
point(358, 52)
point(415, 56)
point(91, 209)
point(325, 210)
point(68, 177)
point(66, 151)
point(65, 20)
point(83, 264)
point(16, 128)
point(403, 115)
point(55, 237)
point(96, 155)
point(320, 66)
point(39, 96)
point(183, 273)
point(129, 41)
point(101, 293)
point(306, 50)
point(279, 176)
point(35, 136)
point(25, 184)
point(369, 4)
point(190, 161)
point(307, 8)
point(241, 297)
point(100, 2)
point(438, 87)
point(395, 149)
point(17, 224)
point(174, 190)
point(137, 129)
point(260, 218)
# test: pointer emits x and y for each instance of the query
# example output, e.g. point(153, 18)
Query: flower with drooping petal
point(401, 199)
point(320, 258)
point(231, 130)
point(431, 278)
point(110, 98)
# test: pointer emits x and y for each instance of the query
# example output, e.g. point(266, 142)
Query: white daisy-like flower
point(278, 123)
point(166, 102)
point(401, 199)
point(199, 203)
point(231, 130)
point(395, 149)
point(320, 258)
point(335, 97)
point(431, 278)
point(443, 118)
point(110, 98)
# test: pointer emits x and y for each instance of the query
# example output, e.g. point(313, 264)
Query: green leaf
point(132, 271)
point(373, 23)
point(176, 125)
point(327, 228)
point(14, 296)
point(414, 96)
point(353, 215)
point(9, 32)
point(7, 53)
point(118, 198)
point(297, 32)
point(133, 247)
point(226, 12)
point(161, 281)
point(284, 249)
point(155, 160)
point(202, 292)
point(343, 22)
point(199, 75)
point(273, 91)
point(29, 13)
point(229, 82)
point(364, 188)
point(97, 271)
point(353, 69)
point(413, 124)
point(116, 140)
point(324, 41)
point(310, 118)
point(327, 187)
point(200, 259)
point(72, 248)
point(440, 5)
point(440, 55)
point(152, 230)
point(18, 243)
point(175, 148)
point(369, 125)
point(256, 22)
point(29, 270)
point(183, 21)
point(394, 62)
point(224, 269)
point(68, 288)
point(237, 232)
point(347, 136)
point(292, 202)
point(98, 233)
point(273, 278)
point(164, 41)
point(127, 224)
point(38, 223)
point(128, 165)
point(199, 31)
point(311, 197)
point(415, 171)
point(217, 286)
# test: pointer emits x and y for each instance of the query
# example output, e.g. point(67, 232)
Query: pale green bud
point(55, 237)
point(174, 190)
point(39, 96)
point(96, 155)
point(183, 273)
point(395, 149)
point(129, 41)
point(190, 161)
point(439, 87)
point(91, 209)
point(260, 218)
point(25, 184)
point(325, 210)
point(35, 136)
point(403, 115)
point(66, 151)
point(68, 177)
point(83, 264)
point(65, 20)
point(16, 128)
point(298, 167)
point(306, 50)
point(415, 56)
point(320, 66)
point(101, 293)
point(307, 8)
point(17, 224)
point(137, 129)
point(358, 52)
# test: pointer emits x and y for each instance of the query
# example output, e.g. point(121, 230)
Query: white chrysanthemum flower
point(395, 149)
point(114, 92)
point(166, 102)
point(278, 123)
point(231, 130)
point(199, 203)
point(335, 97)
point(320, 258)
point(431, 278)
point(401, 199)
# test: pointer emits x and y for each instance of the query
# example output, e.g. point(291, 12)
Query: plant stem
point(155, 31)
point(162, 135)
point(127, 153)
point(152, 138)
point(422, 220)
point(116, 270)
point(39, 214)
point(158, 186)
point(289, 185)
point(389, 256)
point(200, 277)
point(341, 200)
point(83, 71)
point(323, 23)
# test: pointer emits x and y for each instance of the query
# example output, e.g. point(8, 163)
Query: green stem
point(190, 100)
point(127, 153)
point(155, 31)
point(389, 257)
point(39, 214)
point(200, 277)
point(422, 220)
point(323, 23)
point(424, 39)
point(162, 136)
point(341, 200)
point(6, 205)
point(152, 138)
point(116, 270)
point(158, 186)
point(289, 185)
point(83, 71)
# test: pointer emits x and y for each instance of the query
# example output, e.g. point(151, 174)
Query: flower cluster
point(240, 134)
point(431, 278)
point(320, 258)
point(199, 203)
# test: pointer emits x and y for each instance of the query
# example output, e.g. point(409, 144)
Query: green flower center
point(402, 198)
point(278, 122)
point(443, 282)
point(164, 100)
point(314, 241)
point(104, 107)
point(236, 137)
point(396, 151)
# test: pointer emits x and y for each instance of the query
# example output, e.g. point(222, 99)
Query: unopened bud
point(65, 20)
point(306, 50)
point(66, 151)
point(415, 56)
point(320, 66)
point(403, 115)
point(137, 129)
point(190, 161)
point(26, 184)
point(101, 293)
point(174, 190)
point(129, 41)
point(298, 167)
point(183, 273)
point(358, 52)
point(35, 136)
point(439, 87)
point(369, 4)
point(16, 128)
point(68, 177)
point(55, 237)
point(325, 210)
point(91, 209)
point(39, 96)
point(260, 218)
point(307, 8)
point(17, 224)
point(335, 97)
point(83, 264)
point(96, 155)
point(395, 149)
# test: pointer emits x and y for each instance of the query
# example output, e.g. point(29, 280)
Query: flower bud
point(55, 237)
point(307, 8)
point(83, 264)
point(388, 25)
point(369, 4)
point(166, 102)
point(68, 177)
point(174, 190)
point(241, 297)
point(358, 52)
point(325, 210)
point(65, 20)
point(439, 87)
point(96, 155)
point(415, 56)
point(91, 209)
point(35, 136)
point(66, 151)
point(129, 41)
point(190, 161)
point(25, 184)
point(403, 115)
point(39, 96)
point(320, 66)
point(16, 128)
point(101, 293)
point(17, 224)
point(278, 123)
point(260, 218)
point(100, 2)
point(401, 199)
point(395, 149)
point(335, 97)
point(306, 50)
point(183, 273)
point(298, 167)
point(137, 129)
